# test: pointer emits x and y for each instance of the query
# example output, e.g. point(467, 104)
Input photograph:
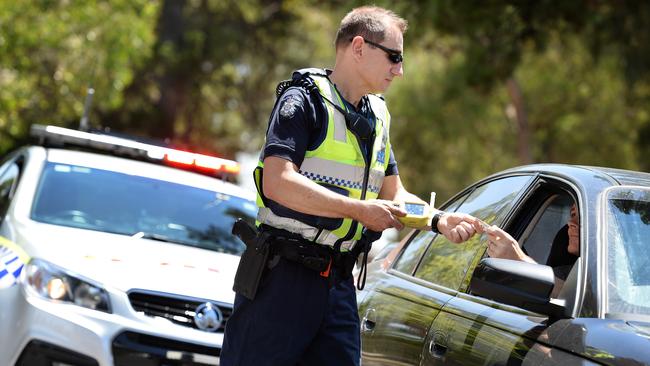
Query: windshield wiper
point(215, 243)
point(158, 237)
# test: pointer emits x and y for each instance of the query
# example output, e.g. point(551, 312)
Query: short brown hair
point(369, 22)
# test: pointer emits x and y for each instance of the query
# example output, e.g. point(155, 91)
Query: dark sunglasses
point(394, 56)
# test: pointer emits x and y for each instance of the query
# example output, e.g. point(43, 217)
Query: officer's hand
point(378, 215)
point(457, 227)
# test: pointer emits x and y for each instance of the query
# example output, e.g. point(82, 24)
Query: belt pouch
point(251, 266)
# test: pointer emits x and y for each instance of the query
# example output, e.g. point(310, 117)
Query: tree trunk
point(171, 83)
point(523, 132)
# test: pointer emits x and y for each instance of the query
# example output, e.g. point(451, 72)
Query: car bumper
point(32, 327)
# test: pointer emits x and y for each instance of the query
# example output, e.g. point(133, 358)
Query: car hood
point(123, 263)
point(610, 341)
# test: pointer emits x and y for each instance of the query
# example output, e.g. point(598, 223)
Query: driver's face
point(574, 231)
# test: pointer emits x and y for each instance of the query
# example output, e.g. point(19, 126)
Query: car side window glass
point(7, 186)
point(411, 255)
point(446, 263)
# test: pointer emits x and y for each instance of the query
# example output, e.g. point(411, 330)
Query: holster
point(253, 261)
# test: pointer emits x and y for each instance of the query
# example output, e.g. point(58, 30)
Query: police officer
point(326, 172)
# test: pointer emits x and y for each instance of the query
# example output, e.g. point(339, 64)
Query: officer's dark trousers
point(295, 319)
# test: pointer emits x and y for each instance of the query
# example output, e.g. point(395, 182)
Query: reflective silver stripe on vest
point(326, 237)
point(375, 180)
point(332, 172)
point(340, 128)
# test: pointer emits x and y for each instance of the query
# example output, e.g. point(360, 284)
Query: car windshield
point(628, 259)
point(119, 203)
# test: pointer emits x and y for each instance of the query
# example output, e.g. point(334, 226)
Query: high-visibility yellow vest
point(337, 162)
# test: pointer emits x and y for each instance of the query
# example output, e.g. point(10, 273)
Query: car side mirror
point(521, 284)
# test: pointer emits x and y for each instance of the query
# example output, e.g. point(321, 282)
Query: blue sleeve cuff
point(284, 152)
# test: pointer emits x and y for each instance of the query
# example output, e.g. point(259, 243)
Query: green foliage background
point(202, 73)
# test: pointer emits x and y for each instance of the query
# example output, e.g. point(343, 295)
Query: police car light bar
point(199, 161)
point(122, 146)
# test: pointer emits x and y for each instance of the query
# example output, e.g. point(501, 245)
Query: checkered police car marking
point(10, 267)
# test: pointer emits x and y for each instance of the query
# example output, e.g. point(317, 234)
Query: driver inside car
point(503, 245)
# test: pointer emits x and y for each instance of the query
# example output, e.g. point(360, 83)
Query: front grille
point(178, 309)
point(137, 349)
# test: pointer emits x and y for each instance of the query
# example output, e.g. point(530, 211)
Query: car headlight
point(54, 283)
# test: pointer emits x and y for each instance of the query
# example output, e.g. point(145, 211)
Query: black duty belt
point(319, 257)
point(313, 256)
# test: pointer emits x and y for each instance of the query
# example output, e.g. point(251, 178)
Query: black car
point(432, 302)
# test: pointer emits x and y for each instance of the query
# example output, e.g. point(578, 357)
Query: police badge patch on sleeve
point(288, 107)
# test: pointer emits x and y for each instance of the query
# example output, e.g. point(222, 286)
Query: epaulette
point(301, 78)
point(301, 73)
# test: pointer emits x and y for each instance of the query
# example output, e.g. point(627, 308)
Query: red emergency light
point(201, 162)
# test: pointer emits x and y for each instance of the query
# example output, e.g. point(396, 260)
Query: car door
point(471, 330)
point(397, 314)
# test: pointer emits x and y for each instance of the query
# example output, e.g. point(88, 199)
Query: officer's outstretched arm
point(456, 227)
point(283, 184)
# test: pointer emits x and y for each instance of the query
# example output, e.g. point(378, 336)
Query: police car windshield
point(114, 202)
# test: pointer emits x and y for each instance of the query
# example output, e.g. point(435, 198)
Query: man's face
point(574, 231)
point(377, 70)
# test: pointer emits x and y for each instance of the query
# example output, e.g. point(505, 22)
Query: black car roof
point(627, 177)
point(617, 176)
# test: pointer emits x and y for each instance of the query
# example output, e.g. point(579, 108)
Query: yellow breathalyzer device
point(418, 214)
